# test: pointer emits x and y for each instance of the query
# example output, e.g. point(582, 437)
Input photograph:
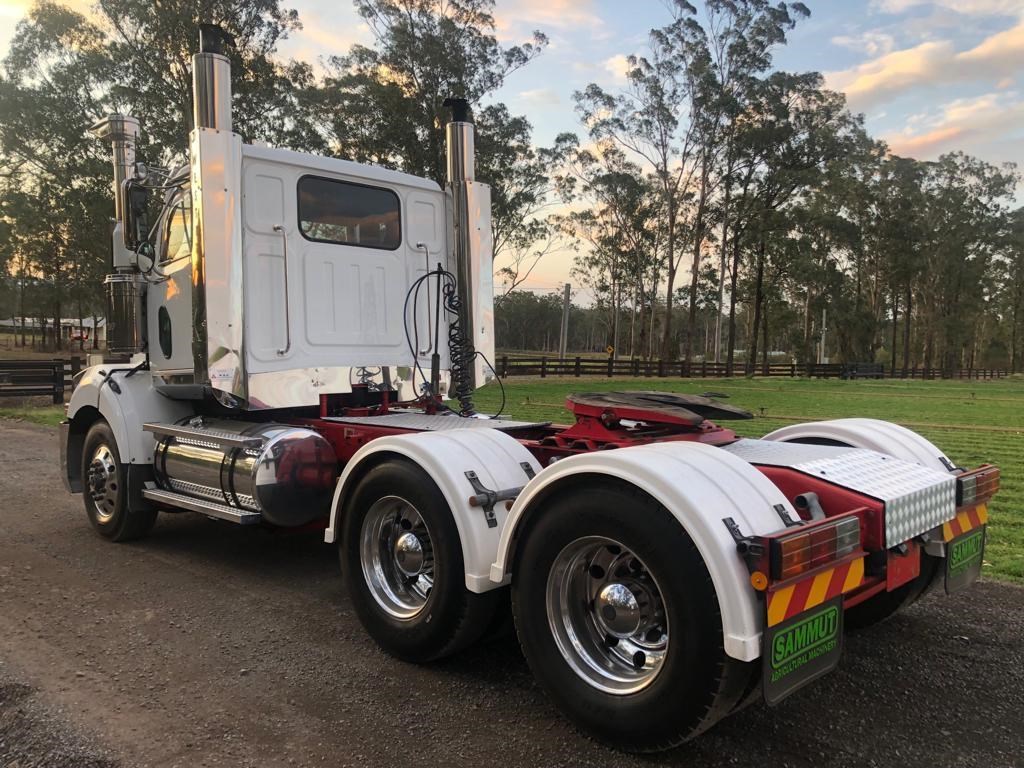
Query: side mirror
point(136, 214)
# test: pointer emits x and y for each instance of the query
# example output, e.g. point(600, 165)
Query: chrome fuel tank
point(285, 473)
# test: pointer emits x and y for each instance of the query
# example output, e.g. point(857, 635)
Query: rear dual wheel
point(401, 558)
point(619, 620)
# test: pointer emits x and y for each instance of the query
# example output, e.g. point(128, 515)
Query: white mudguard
point(133, 403)
point(446, 456)
point(875, 434)
point(701, 486)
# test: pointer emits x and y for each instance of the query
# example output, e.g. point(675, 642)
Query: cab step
point(203, 506)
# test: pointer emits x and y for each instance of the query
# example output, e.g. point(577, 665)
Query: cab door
point(169, 306)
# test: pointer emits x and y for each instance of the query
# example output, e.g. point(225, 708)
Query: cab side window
point(178, 228)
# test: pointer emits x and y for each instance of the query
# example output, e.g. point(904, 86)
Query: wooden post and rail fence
point(38, 378)
point(576, 367)
point(52, 378)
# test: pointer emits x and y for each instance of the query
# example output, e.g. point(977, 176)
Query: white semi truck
point(300, 338)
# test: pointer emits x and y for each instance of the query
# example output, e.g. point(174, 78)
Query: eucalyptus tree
point(54, 178)
point(794, 130)
point(966, 207)
point(385, 103)
point(1013, 285)
point(620, 226)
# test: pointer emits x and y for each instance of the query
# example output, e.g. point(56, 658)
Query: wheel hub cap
point(397, 557)
point(618, 610)
point(409, 554)
point(102, 479)
point(607, 615)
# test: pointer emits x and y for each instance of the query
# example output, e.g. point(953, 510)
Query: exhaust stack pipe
point(211, 80)
point(122, 131)
point(459, 144)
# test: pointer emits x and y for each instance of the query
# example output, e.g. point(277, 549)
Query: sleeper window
point(349, 214)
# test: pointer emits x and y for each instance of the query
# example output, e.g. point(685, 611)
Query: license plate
point(964, 556)
point(801, 649)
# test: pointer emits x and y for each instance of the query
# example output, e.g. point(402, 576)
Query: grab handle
point(287, 313)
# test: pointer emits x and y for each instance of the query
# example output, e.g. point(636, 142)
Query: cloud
point(878, 79)
point(965, 7)
point(617, 66)
point(973, 121)
point(517, 17)
point(930, 63)
point(540, 97)
point(872, 42)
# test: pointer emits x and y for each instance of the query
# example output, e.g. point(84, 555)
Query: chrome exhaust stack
point(471, 221)
point(211, 80)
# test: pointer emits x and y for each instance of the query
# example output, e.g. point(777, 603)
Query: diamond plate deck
point(423, 422)
point(916, 498)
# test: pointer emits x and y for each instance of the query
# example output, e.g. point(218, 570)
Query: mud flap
point(801, 649)
point(964, 556)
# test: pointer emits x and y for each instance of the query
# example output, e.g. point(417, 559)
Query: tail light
point(976, 486)
point(802, 549)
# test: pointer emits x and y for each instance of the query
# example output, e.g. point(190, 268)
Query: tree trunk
point(666, 336)
point(698, 239)
point(906, 328)
point(764, 352)
point(895, 317)
point(758, 299)
point(733, 278)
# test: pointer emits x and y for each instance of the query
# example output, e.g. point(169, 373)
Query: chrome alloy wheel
point(102, 483)
point(607, 615)
point(396, 556)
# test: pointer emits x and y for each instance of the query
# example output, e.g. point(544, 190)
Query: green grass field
point(973, 422)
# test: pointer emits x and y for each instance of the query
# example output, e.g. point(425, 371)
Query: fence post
point(504, 366)
point(76, 366)
point(576, 368)
point(611, 366)
point(543, 367)
point(58, 381)
point(661, 369)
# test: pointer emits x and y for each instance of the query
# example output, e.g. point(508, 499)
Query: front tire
point(619, 621)
point(401, 558)
point(105, 489)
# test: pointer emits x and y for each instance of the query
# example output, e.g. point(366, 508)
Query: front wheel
point(401, 558)
point(619, 620)
point(105, 489)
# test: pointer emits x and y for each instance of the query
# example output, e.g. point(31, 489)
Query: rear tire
point(105, 489)
point(401, 558)
point(629, 574)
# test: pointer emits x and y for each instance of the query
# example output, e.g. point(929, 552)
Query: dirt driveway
point(208, 644)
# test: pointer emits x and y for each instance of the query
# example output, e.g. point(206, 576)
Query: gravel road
point(208, 644)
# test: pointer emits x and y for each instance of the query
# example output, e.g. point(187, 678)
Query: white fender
point(127, 410)
point(875, 434)
point(446, 456)
point(701, 486)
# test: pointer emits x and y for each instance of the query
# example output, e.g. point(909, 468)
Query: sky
point(930, 76)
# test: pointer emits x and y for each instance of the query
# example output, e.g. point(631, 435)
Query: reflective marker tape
point(809, 593)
